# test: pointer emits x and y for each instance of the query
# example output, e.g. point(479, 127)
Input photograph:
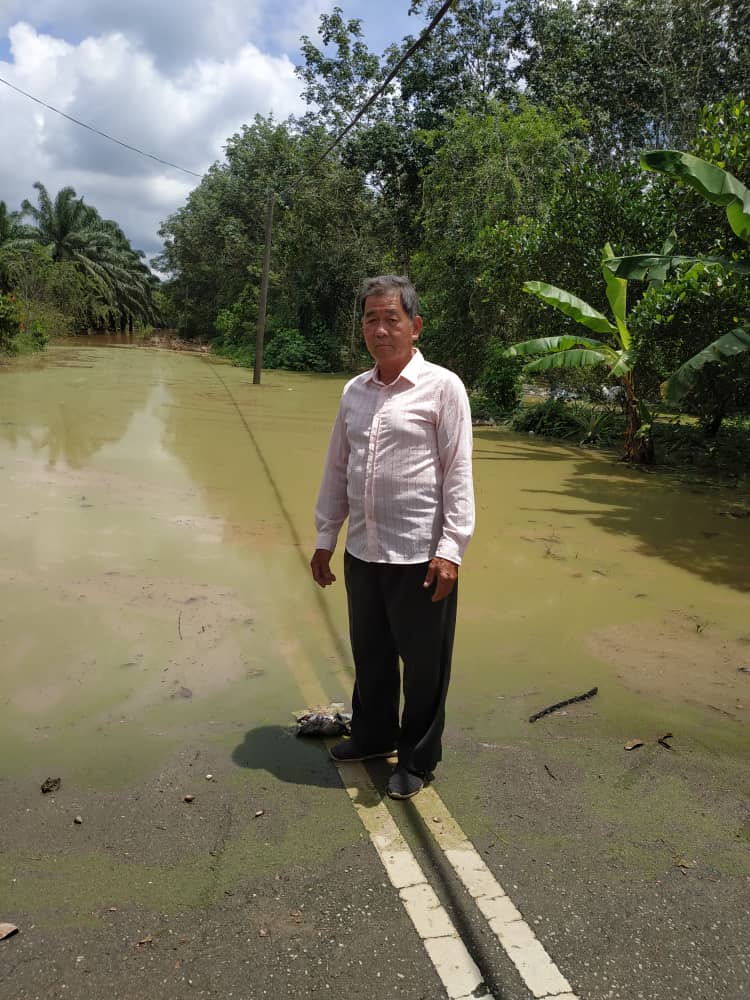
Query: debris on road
point(553, 776)
point(662, 740)
point(320, 723)
point(743, 670)
point(259, 813)
point(188, 798)
point(7, 930)
point(633, 744)
point(51, 785)
point(263, 932)
point(683, 864)
point(78, 820)
point(561, 704)
point(146, 942)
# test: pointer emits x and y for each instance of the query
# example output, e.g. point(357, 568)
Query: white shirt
point(399, 466)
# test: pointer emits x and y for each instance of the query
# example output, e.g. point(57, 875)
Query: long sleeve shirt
point(399, 466)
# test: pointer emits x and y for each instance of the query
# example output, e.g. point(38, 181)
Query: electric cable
point(97, 131)
point(381, 89)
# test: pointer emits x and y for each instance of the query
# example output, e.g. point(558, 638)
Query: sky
point(173, 77)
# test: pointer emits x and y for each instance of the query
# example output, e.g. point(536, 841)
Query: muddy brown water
point(157, 522)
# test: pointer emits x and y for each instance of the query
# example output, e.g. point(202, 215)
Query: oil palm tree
point(119, 282)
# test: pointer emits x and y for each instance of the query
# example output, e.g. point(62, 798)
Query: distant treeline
point(66, 270)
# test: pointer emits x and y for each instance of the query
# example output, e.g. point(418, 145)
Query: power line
point(381, 89)
point(97, 131)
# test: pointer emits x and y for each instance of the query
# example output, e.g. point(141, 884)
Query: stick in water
point(562, 704)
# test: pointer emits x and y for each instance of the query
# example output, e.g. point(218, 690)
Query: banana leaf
point(545, 344)
point(617, 296)
point(623, 365)
point(727, 346)
point(571, 306)
point(656, 267)
point(714, 184)
point(577, 358)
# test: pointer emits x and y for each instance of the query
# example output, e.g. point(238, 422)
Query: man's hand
point(443, 573)
point(320, 564)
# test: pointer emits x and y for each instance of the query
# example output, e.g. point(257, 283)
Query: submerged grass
point(680, 443)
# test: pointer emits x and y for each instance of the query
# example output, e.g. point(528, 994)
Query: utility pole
point(263, 301)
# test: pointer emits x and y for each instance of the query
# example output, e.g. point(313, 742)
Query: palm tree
point(119, 282)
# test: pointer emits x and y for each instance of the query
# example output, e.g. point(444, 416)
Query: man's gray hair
point(386, 284)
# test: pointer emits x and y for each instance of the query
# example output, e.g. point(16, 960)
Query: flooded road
point(157, 615)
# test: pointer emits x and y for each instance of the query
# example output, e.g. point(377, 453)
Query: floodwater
point(155, 532)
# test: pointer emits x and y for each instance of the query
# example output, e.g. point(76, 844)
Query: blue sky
point(174, 77)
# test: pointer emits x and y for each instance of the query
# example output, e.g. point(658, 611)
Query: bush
point(586, 424)
point(10, 324)
point(500, 383)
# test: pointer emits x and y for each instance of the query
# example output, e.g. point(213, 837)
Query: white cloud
point(115, 83)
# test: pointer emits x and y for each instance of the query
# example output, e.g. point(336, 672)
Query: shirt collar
point(410, 372)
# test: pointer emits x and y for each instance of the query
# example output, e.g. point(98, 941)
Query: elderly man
point(399, 466)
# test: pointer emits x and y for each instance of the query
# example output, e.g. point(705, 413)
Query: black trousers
point(392, 615)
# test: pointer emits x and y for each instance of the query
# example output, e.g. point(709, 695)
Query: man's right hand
point(320, 564)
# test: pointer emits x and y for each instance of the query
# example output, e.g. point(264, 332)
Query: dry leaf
point(51, 785)
point(7, 930)
point(146, 942)
point(662, 740)
point(633, 744)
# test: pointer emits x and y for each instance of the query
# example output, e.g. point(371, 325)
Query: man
point(399, 466)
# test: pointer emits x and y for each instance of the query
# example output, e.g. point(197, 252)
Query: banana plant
point(579, 351)
point(720, 188)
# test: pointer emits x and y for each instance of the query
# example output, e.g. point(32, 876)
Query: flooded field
point(156, 527)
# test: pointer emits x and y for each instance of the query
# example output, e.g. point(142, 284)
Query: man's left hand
point(444, 574)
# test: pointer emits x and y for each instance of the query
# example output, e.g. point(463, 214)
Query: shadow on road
point(277, 750)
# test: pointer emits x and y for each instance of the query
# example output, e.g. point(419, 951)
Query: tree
point(638, 70)
point(118, 282)
point(488, 188)
point(721, 188)
point(577, 351)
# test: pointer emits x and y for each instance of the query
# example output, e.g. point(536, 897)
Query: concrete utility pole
point(263, 301)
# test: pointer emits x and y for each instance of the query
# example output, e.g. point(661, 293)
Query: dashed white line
point(535, 966)
point(453, 963)
point(449, 955)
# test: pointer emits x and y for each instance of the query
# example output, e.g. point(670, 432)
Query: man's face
point(389, 332)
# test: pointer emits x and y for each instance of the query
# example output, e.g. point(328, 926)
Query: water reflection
point(73, 404)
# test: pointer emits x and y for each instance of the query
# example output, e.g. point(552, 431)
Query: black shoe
point(347, 751)
point(403, 783)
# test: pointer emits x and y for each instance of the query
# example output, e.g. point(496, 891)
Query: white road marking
point(453, 963)
point(536, 968)
point(448, 953)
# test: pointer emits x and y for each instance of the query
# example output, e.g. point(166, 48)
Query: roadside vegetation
point(66, 270)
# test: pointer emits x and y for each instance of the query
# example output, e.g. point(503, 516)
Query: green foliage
point(500, 384)
point(586, 424)
point(672, 323)
point(490, 173)
point(288, 349)
point(10, 323)
point(719, 187)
